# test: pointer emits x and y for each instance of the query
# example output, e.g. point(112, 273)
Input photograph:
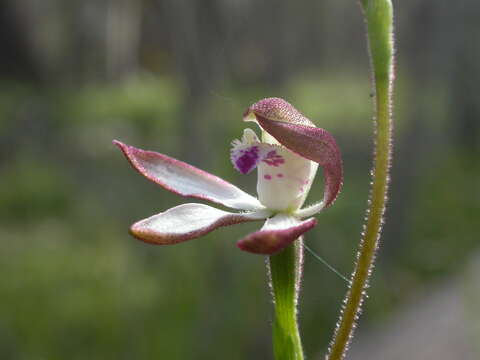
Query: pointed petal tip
point(271, 240)
point(138, 233)
point(125, 149)
point(118, 143)
point(249, 115)
point(265, 107)
point(144, 233)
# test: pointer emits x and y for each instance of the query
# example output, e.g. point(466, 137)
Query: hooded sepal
point(297, 133)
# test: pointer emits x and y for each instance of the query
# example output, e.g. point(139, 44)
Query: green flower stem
point(379, 19)
point(285, 273)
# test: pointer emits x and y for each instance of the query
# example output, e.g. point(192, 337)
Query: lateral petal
point(186, 222)
point(186, 180)
point(277, 233)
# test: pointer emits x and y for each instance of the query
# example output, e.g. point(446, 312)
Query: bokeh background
point(175, 76)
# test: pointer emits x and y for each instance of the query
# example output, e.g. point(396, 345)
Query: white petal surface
point(284, 178)
point(188, 221)
point(284, 185)
point(187, 180)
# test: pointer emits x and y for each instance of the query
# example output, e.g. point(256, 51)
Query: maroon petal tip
point(270, 241)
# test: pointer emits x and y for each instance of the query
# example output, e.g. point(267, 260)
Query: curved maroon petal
point(279, 110)
point(186, 180)
point(277, 233)
point(186, 222)
point(315, 144)
point(297, 133)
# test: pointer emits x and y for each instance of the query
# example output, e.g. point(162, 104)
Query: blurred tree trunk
point(123, 25)
point(70, 42)
point(276, 29)
point(106, 38)
point(22, 57)
point(194, 38)
point(464, 75)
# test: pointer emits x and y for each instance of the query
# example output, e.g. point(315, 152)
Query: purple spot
point(273, 159)
point(267, 177)
point(247, 161)
point(280, 175)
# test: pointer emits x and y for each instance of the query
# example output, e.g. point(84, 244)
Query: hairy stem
point(379, 19)
point(285, 273)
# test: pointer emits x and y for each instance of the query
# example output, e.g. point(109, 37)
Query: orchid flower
point(286, 157)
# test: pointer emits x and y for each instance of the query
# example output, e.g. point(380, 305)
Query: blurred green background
point(175, 76)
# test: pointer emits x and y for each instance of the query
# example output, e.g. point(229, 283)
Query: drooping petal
point(277, 233)
point(188, 221)
point(294, 131)
point(187, 180)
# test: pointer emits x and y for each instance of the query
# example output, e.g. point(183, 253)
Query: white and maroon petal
point(188, 221)
point(277, 233)
point(294, 131)
point(187, 180)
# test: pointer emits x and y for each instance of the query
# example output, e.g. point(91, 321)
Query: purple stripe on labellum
point(273, 159)
point(246, 159)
